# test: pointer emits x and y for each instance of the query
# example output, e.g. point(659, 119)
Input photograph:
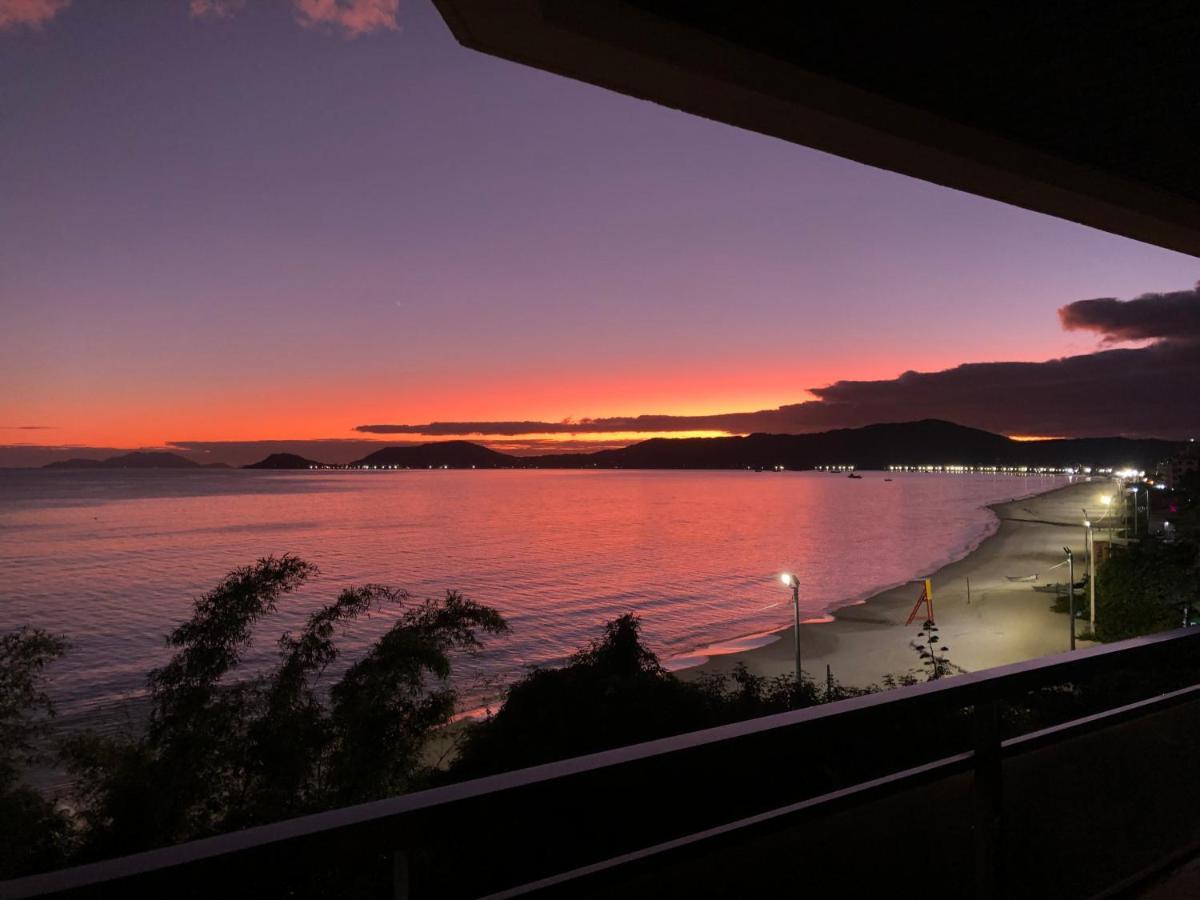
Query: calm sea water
point(113, 559)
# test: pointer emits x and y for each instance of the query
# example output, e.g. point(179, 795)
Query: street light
point(1071, 591)
point(794, 583)
point(1090, 545)
point(1134, 491)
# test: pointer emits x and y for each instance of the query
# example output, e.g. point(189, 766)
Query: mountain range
point(136, 460)
point(927, 442)
point(930, 442)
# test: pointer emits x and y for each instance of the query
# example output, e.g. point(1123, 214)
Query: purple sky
point(263, 226)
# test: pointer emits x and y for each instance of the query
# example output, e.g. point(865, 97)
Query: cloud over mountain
point(1133, 391)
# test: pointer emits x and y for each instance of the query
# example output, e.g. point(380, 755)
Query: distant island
point(284, 461)
point(447, 454)
point(930, 442)
point(136, 460)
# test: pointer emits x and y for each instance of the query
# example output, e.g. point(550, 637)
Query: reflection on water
point(113, 559)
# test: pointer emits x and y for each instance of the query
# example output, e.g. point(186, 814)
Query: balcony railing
point(1068, 776)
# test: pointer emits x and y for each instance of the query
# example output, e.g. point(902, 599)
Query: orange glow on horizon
point(564, 437)
point(108, 412)
point(1035, 437)
point(153, 413)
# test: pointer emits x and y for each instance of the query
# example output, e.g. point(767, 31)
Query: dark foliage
point(1152, 584)
point(1144, 588)
point(221, 754)
point(615, 692)
point(33, 833)
point(612, 693)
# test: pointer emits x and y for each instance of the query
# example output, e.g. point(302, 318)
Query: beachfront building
point(1184, 463)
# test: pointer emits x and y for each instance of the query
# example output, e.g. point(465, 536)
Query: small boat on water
point(887, 479)
point(852, 475)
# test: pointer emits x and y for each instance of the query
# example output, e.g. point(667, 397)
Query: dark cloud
point(539, 446)
point(582, 426)
point(1147, 391)
point(1172, 317)
point(1144, 391)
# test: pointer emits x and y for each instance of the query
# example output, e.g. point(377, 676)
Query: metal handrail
point(401, 819)
point(859, 793)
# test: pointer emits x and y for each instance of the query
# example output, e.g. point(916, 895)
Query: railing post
point(400, 885)
point(988, 795)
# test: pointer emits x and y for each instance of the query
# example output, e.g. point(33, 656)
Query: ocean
point(113, 559)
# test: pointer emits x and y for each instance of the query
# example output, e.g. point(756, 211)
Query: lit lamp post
point(1071, 591)
point(1134, 490)
point(1090, 546)
point(794, 583)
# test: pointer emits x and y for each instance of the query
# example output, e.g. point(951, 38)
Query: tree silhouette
point(220, 753)
point(33, 833)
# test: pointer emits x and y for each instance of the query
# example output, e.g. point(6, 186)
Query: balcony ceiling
point(1089, 112)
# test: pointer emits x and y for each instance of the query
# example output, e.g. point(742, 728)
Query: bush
point(615, 692)
point(1142, 588)
point(219, 754)
point(34, 835)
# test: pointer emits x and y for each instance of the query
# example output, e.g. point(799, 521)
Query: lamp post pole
point(1135, 511)
point(1090, 543)
point(794, 583)
point(1071, 592)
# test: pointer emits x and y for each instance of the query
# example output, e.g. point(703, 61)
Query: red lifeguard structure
point(925, 598)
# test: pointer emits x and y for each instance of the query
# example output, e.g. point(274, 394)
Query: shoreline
point(1005, 621)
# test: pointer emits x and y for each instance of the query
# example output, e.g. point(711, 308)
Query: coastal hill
point(930, 442)
point(454, 454)
point(136, 460)
point(283, 461)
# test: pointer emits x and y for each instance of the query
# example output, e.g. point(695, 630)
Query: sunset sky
point(269, 221)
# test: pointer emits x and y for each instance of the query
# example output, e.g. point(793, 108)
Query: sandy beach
point(1003, 622)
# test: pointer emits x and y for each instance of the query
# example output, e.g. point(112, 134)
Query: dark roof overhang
point(1083, 111)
